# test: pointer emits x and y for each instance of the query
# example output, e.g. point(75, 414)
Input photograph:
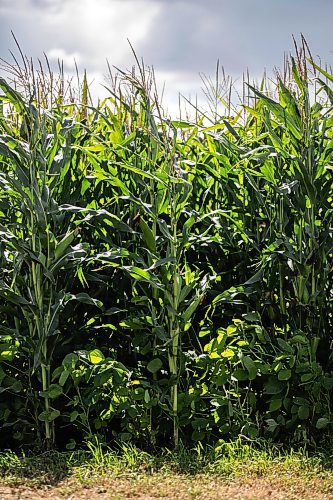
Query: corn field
point(165, 281)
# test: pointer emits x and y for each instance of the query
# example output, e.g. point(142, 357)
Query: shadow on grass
point(229, 460)
point(46, 468)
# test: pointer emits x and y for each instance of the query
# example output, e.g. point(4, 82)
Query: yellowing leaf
point(228, 353)
point(214, 355)
point(96, 356)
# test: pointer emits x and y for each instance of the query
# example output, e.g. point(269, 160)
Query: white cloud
point(95, 29)
point(99, 29)
point(69, 59)
point(181, 38)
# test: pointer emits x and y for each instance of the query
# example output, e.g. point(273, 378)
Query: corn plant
point(41, 247)
point(167, 279)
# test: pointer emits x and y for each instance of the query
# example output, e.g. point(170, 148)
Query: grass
point(224, 472)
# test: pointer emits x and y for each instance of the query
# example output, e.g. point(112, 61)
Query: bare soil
point(175, 486)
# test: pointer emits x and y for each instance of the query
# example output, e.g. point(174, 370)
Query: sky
point(181, 39)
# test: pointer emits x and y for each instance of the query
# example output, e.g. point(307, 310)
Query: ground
point(240, 473)
point(176, 487)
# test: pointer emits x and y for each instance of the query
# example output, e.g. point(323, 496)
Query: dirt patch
point(178, 487)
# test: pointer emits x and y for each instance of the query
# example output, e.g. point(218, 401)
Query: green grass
point(231, 461)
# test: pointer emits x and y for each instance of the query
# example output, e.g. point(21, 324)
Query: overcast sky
point(180, 38)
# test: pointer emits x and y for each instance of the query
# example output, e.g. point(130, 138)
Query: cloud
point(96, 29)
point(193, 35)
point(68, 59)
point(180, 38)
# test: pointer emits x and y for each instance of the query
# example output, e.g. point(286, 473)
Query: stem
point(41, 321)
point(174, 331)
point(45, 377)
point(153, 309)
point(281, 287)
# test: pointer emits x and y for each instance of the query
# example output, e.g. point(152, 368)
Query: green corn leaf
point(321, 70)
point(255, 278)
point(14, 97)
point(64, 243)
point(148, 235)
point(190, 310)
point(281, 113)
point(84, 298)
point(143, 275)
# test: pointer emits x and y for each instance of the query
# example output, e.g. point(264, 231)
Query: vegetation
point(165, 281)
point(230, 471)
